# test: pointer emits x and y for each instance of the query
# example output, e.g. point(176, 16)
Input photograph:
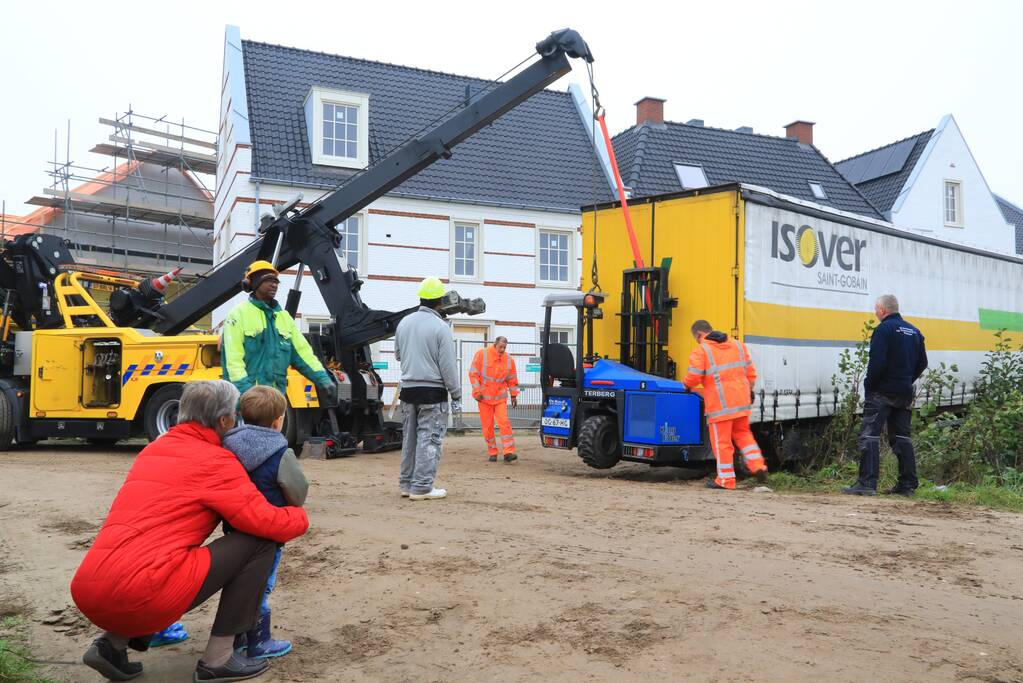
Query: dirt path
point(548, 570)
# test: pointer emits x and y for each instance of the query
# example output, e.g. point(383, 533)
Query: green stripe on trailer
point(1000, 320)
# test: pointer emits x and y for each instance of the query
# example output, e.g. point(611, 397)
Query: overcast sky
point(867, 72)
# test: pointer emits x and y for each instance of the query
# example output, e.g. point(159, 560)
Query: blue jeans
point(880, 410)
point(264, 607)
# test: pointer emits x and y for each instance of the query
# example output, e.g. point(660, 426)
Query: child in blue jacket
point(262, 449)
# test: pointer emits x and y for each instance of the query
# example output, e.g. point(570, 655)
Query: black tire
point(599, 445)
point(102, 441)
point(162, 410)
point(6, 422)
point(290, 428)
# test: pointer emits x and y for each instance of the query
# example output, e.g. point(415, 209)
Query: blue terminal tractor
point(630, 409)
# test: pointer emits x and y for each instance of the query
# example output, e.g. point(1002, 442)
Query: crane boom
point(309, 237)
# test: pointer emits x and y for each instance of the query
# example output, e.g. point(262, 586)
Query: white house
point(499, 220)
point(930, 183)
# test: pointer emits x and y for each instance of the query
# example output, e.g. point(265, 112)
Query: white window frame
point(478, 256)
point(572, 282)
point(363, 242)
point(960, 207)
point(819, 186)
point(570, 330)
point(321, 96)
point(314, 319)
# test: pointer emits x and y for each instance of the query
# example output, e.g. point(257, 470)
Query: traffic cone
point(159, 284)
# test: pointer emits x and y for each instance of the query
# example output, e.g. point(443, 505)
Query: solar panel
point(886, 161)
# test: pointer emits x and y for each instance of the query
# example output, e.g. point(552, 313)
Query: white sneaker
point(404, 494)
point(434, 494)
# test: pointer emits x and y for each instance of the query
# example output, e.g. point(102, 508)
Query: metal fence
point(527, 363)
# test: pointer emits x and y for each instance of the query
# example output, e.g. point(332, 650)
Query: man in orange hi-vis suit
point(725, 369)
point(493, 377)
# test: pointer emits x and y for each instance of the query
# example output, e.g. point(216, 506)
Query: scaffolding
point(153, 206)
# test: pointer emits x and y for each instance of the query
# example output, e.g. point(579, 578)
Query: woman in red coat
point(148, 565)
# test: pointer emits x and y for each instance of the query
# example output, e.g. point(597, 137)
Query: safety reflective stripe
point(750, 449)
point(729, 411)
point(696, 371)
point(717, 378)
point(727, 366)
point(503, 394)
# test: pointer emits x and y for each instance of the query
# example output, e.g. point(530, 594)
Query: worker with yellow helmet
point(261, 340)
point(424, 345)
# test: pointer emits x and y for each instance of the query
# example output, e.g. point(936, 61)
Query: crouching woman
point(148, 564)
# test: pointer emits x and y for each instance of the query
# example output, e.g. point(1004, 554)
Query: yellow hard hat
point(261, 265)
point(431, 288)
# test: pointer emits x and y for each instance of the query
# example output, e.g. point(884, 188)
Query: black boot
point(110, 662)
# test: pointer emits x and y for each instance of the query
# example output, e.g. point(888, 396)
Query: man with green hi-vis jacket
point(261, 340)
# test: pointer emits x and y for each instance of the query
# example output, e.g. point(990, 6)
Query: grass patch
point(833, 478)
point(15, 666)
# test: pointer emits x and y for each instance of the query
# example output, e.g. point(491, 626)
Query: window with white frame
point(314, 325)
point(466, 241)
point(953, 203)
point(818, 190)
point(350, 231)
point(338, 123)
point(562, 335)
point(555, 257)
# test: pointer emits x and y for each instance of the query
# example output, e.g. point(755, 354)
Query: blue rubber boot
point(175, 633)
point(261, 645)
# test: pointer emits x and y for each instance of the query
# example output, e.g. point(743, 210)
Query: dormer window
point(338, 125)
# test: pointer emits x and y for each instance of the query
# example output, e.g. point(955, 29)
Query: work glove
point(456, 406)
point(515, 401)
point(478, 395)
point(327, 395)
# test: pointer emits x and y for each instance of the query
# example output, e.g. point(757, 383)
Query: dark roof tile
point(1013, 216)
point(536, 155)
point(647, 154)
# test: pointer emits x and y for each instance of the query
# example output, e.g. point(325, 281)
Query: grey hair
point(501, 339)
point(206, 402)
point(888, 302)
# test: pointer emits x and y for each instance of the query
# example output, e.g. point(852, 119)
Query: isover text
point(815, 245)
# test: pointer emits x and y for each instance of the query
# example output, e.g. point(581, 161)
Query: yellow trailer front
point(701, 232)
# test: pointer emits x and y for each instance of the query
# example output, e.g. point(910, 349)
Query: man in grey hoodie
point(429, 373)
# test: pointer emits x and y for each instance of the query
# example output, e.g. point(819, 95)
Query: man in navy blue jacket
point(897, 359)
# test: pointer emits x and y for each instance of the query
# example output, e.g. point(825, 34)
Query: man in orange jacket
point(725, 369)
point(493, 377)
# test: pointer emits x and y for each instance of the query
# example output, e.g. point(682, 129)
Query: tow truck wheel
point(6, 423)
point(162, 410)
point(599, 445)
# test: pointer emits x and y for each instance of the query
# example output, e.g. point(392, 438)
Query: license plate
point(561, 422)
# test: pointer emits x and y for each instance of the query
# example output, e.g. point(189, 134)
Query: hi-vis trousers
point(722, 434)
point(489, 411)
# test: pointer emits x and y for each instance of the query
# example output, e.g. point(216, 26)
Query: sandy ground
point(545, 569)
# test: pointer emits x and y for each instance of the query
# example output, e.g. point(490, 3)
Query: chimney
point(801, 130)
point(650, 109)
